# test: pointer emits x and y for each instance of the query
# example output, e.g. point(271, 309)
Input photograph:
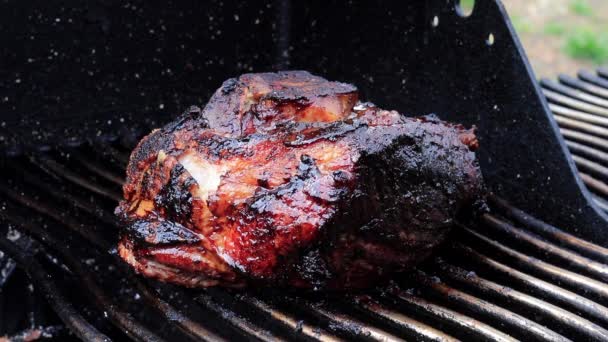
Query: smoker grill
point(580, 106)
point(93, 77)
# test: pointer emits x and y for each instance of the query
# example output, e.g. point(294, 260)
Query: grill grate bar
point(42, 208)
point(240, 324)
point(600, 202)
point(120, 318)
point(593, 78)
point(581, 284)
point(58, 192)
point(583, 137)
point(60, 171)
point(485, 310)
point(576, 104)
point(587, 151)
point(588, 165)
point(595, 185)
point(562, 317)
point(546, 230)
point(578, 115)
point(582, 126)
point(452, 318)
point(183, 322)
point(345, 324)
point(580, 304)
point(576, 261)
point(585, 86)
point(98, 169)
point(292, 324)
point(397, 319)
point(574, 93)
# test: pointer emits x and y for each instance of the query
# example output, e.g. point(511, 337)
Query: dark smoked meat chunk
point(287, 179)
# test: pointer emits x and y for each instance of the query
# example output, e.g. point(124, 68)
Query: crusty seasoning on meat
point(287, 179)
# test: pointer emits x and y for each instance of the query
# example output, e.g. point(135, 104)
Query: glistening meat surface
point(286, 178)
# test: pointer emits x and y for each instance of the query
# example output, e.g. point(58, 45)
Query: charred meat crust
point(281, 179)
point(159, 232)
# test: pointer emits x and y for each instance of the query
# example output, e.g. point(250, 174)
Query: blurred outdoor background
point(560, 36)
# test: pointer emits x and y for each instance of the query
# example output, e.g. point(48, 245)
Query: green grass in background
point(467, 5)
point(521, 25)
point(554, 29)
point(585, 43)
point(581, 7)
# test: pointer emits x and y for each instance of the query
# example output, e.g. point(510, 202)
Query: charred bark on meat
point(281, 179)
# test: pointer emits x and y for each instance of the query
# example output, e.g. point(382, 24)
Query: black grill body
point(106, 69)
point(82, 82)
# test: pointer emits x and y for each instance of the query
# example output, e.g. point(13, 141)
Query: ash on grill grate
point(508, 276)
point(580, 108)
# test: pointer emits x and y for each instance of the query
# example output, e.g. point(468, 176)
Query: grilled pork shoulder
point(285, 178)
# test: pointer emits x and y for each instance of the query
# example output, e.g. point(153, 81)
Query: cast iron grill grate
point(580, 107)
point(508, 276)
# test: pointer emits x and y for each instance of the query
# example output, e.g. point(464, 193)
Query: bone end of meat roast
point(286, 179)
